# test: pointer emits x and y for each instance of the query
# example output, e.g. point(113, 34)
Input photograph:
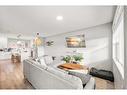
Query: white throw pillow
point(42, 66)
point(42, 62)
point(56, 62)
point(48, 60)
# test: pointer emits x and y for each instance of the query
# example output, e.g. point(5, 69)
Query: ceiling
point(30, 20)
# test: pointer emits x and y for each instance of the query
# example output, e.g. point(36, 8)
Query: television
point(77, 41)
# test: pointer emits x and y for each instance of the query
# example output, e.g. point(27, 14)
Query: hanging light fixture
point(19, 43)
point(38, 40)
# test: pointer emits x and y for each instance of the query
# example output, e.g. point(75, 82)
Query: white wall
point(3, 41)
point(98, 46)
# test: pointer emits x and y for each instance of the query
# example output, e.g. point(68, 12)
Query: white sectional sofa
point(42, 77)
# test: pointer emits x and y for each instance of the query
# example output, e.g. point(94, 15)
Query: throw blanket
point(84, 77)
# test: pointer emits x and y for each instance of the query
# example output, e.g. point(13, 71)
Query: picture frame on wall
point(77, 41)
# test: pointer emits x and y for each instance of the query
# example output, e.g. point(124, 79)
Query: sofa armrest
point(91, 84)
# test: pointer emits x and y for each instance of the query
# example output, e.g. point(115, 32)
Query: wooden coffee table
point(72, 66)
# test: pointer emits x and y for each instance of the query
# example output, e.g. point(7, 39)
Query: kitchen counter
point(5, 55)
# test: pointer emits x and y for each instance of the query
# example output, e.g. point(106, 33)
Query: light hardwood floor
point(11, 77)
point(103, 84)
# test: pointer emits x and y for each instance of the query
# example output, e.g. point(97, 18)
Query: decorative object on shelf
point(76, 41)
point(37, 42)
point(49, 43)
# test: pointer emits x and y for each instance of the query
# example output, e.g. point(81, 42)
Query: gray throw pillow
point(84, 77)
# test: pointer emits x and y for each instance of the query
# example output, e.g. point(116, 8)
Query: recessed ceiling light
point(59, 17)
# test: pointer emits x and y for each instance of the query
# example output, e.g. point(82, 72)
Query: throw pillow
point(42, 62)
point(48, 60)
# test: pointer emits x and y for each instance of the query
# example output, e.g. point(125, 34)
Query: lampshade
point(19, 43)
point(38, 40)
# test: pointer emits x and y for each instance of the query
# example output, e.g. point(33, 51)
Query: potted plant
point(78, 58)
point(67, 59)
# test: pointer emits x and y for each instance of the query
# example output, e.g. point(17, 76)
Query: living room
point(39, 38)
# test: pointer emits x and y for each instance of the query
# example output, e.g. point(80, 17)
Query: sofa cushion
point(77, 83)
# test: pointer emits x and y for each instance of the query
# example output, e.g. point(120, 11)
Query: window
point(118, 44)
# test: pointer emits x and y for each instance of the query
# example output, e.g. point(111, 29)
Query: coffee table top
point(72, 66)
